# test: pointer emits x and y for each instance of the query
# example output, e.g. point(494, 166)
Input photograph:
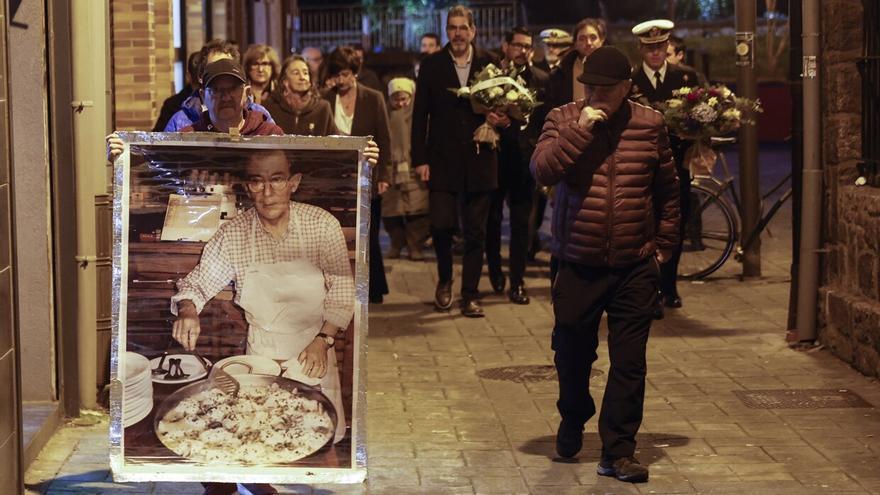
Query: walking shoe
point(569, 439)
point(416, 255)
point(625, 469)
point(472, 308)
point(443, 296)
point(518, 294)
point(672, 301)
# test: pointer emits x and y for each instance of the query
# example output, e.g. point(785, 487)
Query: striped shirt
point(227, 256)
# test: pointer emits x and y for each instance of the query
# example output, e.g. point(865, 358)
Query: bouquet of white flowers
point(494, 89)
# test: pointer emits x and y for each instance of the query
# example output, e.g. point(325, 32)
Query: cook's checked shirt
point(227, 255)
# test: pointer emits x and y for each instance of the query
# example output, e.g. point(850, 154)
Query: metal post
point(797, 147)
point(811, 206)
point(749, 177)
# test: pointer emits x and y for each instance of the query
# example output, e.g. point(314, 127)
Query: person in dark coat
point(366, 76)
point(295, 103)
point(556, 42)
point(615, 220)
point(174, 102)
point(653, 82)
point(360, 111)
point(676, 53)
point(589, 34)
point(515, 183)
point(446, 156)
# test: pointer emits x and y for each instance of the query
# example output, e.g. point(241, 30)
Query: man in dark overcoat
point(515, 183)
point(445, 155)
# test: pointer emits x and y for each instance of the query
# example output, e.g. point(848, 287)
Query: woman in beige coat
point(405, 203)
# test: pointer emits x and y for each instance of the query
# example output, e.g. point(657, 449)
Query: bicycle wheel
point(710, 234)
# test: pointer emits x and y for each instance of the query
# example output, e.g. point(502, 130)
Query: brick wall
point(195, 26)
point(849, 313)
point(142, 61)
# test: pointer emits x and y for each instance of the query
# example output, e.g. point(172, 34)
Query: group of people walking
point(617, 178)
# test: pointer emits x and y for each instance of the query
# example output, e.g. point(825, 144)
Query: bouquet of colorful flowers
point(499, 90)
point(703, 113)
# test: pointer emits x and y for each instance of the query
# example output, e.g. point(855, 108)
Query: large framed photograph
point(239, 309)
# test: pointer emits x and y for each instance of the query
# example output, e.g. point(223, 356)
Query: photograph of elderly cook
point(290, 266)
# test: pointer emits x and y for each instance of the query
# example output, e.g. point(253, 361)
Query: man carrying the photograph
point(290, 266)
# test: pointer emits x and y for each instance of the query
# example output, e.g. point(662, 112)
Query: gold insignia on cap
point(653, 31)
point(556, 36)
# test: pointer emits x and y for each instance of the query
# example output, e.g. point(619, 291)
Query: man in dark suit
point(515, 183)
point(653, 82)
point(446, 156)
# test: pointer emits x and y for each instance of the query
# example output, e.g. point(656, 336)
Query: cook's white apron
point(284, 307)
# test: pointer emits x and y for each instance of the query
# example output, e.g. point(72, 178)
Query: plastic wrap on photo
point(250, 253)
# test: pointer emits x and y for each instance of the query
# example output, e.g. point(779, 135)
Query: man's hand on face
point(186, 328)
point(314, 359)
point(589, 116)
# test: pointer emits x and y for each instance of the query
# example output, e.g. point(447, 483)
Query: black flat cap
point(606, 66)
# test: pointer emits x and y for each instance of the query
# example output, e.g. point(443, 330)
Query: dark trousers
point(519, 201)
point(378, 283)
point(580, 295)
point(444, 219)
point(669, 270)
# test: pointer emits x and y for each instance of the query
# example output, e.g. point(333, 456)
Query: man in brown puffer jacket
point(615, 219)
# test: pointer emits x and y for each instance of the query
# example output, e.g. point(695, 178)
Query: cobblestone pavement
point(437, 426)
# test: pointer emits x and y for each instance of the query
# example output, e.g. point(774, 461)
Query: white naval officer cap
point(653, 31)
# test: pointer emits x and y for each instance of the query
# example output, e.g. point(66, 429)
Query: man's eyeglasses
point(257, 184)
point(521, 46)
point(254, 65)
point(233, 91)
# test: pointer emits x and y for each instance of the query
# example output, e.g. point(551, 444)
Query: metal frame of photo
point(165, 471)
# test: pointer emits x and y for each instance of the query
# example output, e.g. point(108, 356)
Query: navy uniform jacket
point(644, 92)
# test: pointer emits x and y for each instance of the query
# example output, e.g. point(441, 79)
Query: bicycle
point(712, 232)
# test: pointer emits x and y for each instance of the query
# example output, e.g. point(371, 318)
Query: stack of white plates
point(137, 399)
